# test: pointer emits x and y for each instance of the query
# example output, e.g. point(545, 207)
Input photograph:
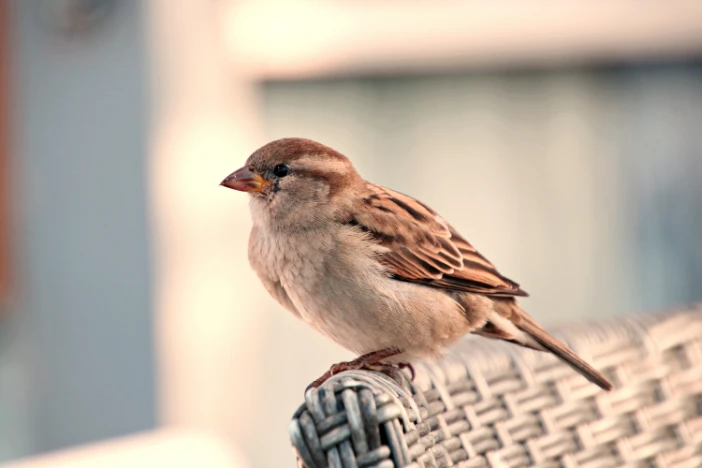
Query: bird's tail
point(510, 323)
point(564, 353)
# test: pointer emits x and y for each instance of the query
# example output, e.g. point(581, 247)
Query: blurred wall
point(658, 130)
point(77, 365)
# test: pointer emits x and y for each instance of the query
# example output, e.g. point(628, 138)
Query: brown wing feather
point(439, 256)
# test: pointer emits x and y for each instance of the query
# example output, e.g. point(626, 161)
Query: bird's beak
point(245, 180)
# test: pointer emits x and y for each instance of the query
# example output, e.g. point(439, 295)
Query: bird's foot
point(370, 361)
point(394, 371)
point(407, 365)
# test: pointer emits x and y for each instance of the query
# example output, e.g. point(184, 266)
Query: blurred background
point(563, 138)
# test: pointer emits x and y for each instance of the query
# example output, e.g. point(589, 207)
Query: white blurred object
point(299, 39)
point(167, 447)
point(208, 308)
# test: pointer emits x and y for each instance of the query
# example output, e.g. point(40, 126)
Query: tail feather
point(510, 323)
point(564, 353)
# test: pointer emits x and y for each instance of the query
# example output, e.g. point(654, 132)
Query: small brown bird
point(380, 273)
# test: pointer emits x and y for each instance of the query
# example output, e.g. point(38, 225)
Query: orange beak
point(245, 180)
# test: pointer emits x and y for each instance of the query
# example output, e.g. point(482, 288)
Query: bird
point(377, 271)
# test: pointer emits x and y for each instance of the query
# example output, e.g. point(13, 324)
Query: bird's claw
point(407, 365)
point(370, 361)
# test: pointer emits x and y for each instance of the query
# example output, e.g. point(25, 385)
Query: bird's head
point(294, 180)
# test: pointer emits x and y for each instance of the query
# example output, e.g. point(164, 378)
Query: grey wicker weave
point(492, 405)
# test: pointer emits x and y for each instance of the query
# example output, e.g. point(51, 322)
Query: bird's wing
point(421, 247)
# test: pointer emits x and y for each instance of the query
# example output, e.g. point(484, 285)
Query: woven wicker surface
point(492, 405)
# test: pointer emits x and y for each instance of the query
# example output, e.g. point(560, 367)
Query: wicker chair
point(492, 405)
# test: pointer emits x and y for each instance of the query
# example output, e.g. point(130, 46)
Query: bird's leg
point(366, 361)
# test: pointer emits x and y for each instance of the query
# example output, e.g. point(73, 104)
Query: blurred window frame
point(352, 38)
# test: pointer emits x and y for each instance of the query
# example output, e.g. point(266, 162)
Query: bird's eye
point(281, 170)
